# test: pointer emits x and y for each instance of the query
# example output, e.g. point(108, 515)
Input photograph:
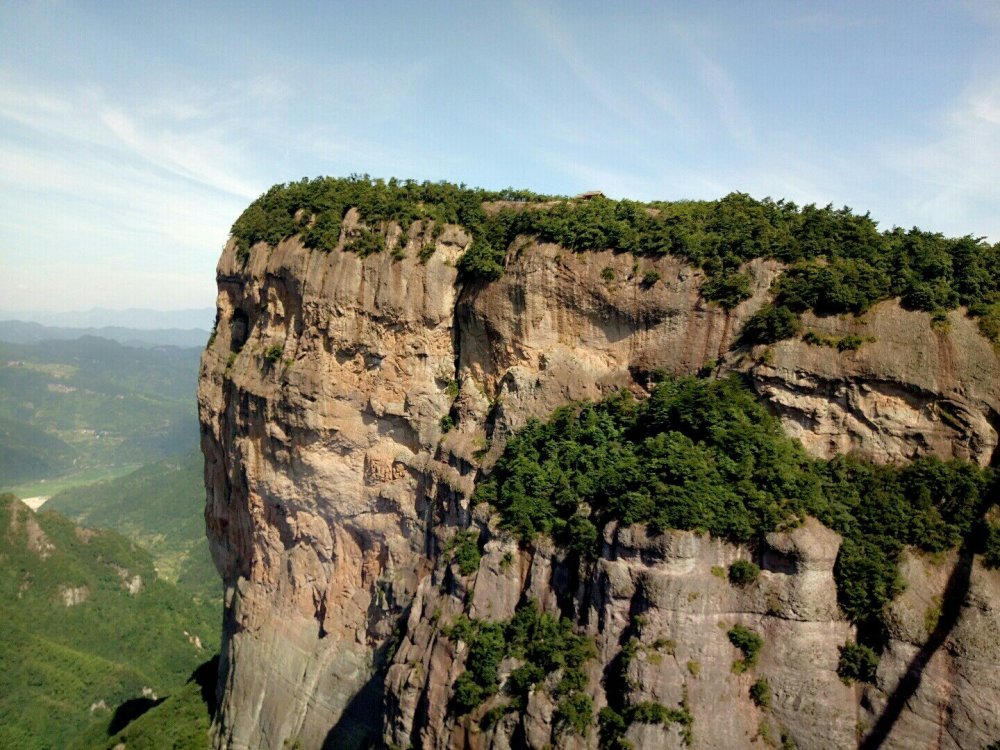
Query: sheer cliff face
point(332, 487)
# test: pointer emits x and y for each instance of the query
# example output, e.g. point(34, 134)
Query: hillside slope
point(108, 405)
point(160, 508)
point(87, 625)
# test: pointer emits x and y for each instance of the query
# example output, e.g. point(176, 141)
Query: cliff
point(335, 482)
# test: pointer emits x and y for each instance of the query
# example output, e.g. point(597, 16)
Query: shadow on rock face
point(360, 725)
point(951, 607)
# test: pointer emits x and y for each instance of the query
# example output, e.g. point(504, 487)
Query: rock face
point(333, 486)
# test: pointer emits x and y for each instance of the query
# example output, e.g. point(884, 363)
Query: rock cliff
point(334, 485)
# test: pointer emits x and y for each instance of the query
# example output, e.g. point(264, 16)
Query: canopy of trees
point(839, 262)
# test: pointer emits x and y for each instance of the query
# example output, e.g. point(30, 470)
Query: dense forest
point(837, 261)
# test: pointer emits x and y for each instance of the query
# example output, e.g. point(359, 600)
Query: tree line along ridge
point(836, 261)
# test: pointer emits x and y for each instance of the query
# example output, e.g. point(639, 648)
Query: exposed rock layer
point(332, 487)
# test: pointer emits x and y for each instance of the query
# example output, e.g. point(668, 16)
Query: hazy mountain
point(133, 317)
point(112, 405)
point(26, 332)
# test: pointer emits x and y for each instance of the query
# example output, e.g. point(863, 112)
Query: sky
point(132, 134)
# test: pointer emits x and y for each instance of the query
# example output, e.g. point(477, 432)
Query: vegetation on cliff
point(543, 645)
point(837, 261)
point(704, 455)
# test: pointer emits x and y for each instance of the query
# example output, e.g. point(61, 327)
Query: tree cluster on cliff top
point(838, 261)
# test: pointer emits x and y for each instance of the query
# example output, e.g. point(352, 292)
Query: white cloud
point(954, 173)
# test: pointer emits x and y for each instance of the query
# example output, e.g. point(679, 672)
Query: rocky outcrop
point(913, 388)
point(333, 486)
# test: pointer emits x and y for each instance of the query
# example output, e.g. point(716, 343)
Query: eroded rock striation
point(335, 480)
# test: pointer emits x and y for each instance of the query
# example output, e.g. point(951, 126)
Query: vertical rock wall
point(332, 483)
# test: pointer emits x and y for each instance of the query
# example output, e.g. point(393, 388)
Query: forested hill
point(838, 261)
point(87, 625)
point(94, 405)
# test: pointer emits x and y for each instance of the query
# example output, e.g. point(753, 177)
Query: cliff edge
point(349, 402)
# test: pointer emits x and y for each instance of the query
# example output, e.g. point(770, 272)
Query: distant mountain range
point(24, 332)
point(100, 317)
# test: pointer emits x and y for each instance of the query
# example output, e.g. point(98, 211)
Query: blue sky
point(133, 134)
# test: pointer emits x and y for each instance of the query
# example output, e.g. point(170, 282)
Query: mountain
point(502, 470)
point(159, 507)
point(98, 403)
point(90, 631)
point(23, 332)
point(100, 317)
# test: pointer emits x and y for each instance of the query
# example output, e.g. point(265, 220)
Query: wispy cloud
point(718, 84)
point(602, 86)
point(187, 139)
point(954, 173)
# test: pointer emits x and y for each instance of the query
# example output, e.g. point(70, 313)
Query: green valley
point(70, 407)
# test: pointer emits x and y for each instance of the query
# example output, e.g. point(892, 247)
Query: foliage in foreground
point(839, 261)
point(180, 722)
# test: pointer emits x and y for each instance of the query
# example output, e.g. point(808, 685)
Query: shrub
point(857, 662)
point(849, 343)
point(426, 253)
point(648, 713)
point(366, 243)
point(506, 561)
point(650, 277)
point(770, 324)
point(760, 693)
point(991, 551)
point(608, 273)
point(463, 629)
point(743, 573)
point(612, 727)
point(467, 694)
point(727, 289)
point(464, 548)
point(574, 713)
point(273, 353)
point(543, 643)
point(447, 423)
point(749, 642)
point(481, 262)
